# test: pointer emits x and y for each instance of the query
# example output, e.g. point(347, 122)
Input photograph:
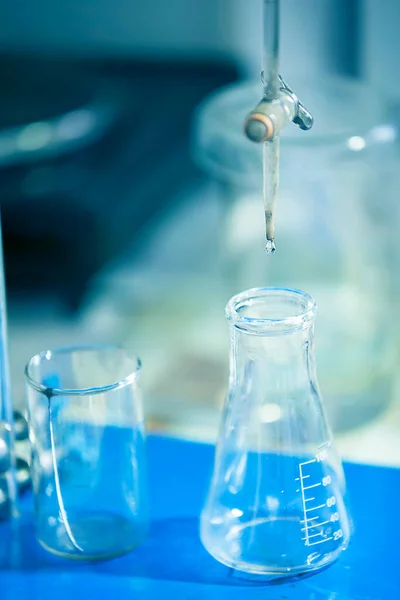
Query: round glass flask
point(335, 213)
point(276, 503)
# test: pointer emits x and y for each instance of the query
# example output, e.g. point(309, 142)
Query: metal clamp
point(303, 117)
point(22, 468)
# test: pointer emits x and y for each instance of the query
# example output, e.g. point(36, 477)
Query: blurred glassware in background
point(68, 107)
point(83, 146)
point(88, 206)
point(328, 242)
point(55, 114)
point(166, 301)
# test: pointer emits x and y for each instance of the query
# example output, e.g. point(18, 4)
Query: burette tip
point(270, 247)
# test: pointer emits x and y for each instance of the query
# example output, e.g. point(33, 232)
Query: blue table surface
point(172, 563)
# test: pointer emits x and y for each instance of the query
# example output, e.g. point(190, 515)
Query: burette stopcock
point(270, 116)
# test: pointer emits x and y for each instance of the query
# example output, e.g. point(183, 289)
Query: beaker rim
point(47, 355)
point(300, 313)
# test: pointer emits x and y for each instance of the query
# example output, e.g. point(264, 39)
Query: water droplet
point(270, 247)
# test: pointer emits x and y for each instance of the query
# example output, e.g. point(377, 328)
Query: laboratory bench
point(172, 563)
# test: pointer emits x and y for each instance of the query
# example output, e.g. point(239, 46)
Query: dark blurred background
point(124, 80)
point(97, 106)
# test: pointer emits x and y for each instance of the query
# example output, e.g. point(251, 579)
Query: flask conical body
point(276, 503)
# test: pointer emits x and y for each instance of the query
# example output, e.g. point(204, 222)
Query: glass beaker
point(88, 458)
point(276, 504)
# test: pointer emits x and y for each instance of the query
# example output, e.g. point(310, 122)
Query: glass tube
point(8, 484)
point(271, 91)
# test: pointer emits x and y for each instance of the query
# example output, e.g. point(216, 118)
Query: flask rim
point(301, 310)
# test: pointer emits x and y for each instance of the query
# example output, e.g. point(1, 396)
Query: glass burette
point(276, 109)
point(271, 92)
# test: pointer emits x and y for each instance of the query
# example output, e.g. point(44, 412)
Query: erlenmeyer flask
point(276, 504)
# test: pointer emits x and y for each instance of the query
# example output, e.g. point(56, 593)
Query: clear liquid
point(98, 535)
point(281, 517)
point(270, 189)
point(91, 504)
point(270, 247)
point(269, 545)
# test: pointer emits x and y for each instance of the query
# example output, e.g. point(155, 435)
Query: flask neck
point(272, 342)
point(280, 365)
